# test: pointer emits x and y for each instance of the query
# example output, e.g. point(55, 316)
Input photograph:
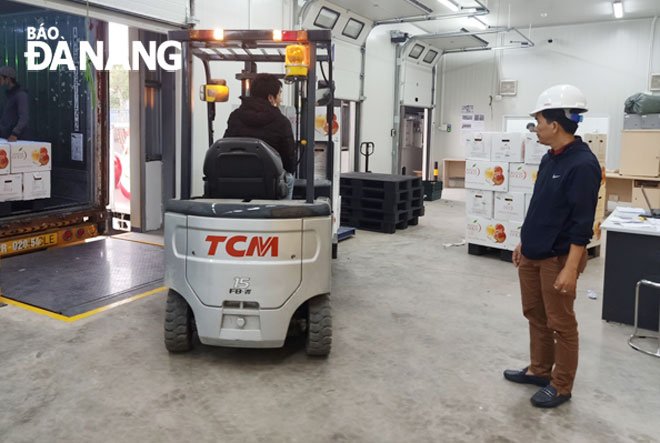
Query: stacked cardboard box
point(500, 172)
point(24, 170)
point(598, 145)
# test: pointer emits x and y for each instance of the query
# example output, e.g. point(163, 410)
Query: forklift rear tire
point(179, 320)
point(318, 339)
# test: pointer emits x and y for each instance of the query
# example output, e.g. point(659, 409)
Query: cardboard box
point(653, 193)
point(487, 232)
point(507, 146)
point(5, 159)
point(596, 229)
point(601, 207)
point(487, 176)
point(36, 185)
point(479, 203)
point(476, 229)
point(29, 156)
point(11, 187)
point(522, 177)
point(479, 146)
point(509, 206)
point(513, 229)
point(534, 151)
point(528, 200)
point(598, 145)
point(640, 153)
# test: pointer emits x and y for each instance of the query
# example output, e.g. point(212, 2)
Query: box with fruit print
point(522, 177)
point(487, 176)
point(11, 187)
point(5, 166)
point(513, 230)
point(528, 200)
point(29, 156)
point(486, 232)
point(36, 185)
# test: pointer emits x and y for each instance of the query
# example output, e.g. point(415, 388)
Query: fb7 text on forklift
point(242, 265)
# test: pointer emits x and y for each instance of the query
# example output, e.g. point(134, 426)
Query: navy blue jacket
point(562, 209)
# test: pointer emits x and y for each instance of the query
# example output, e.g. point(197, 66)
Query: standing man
point(15, 116)
point(259, 116)
point(552, 252)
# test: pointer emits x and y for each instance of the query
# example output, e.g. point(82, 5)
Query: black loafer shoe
point(548, 397)
point(522, 377)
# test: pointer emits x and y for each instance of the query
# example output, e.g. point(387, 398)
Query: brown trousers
point(553, 333)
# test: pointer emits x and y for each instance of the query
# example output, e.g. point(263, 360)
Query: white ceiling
point(517, 13)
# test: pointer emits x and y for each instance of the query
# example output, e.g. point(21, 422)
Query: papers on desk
point(629, 218)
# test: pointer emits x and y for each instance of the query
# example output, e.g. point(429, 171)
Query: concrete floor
point(421, 336)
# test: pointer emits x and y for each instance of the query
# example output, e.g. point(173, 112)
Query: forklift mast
point(252, 47)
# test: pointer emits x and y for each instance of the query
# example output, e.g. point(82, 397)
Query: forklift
point(244, 267)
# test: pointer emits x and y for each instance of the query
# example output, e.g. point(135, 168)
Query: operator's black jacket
point(257, 118)
point(562, 208)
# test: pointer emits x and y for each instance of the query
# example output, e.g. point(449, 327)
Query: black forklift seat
point(244, 168)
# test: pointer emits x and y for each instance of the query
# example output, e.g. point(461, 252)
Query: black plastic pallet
point(503, 254)
point(379, 226)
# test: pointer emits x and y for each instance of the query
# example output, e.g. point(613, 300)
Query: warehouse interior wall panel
point(608, 61)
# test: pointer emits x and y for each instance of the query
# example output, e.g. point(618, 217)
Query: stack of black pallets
point(380, 202)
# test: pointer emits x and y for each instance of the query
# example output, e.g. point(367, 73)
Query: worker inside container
point(15, 114)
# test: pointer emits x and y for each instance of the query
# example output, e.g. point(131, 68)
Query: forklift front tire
point(179, 320)
point(318, 340)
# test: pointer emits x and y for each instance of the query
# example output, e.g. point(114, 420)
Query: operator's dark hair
point(264, 85)
point(559, 116)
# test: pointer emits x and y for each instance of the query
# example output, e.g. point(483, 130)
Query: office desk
point(632, 253)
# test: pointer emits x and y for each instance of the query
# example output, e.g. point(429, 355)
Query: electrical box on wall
point(508, 87)
point(655, 82)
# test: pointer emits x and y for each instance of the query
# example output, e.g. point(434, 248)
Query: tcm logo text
point(238, 246)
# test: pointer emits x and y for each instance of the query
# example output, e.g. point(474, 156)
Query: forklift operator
point(259, 117)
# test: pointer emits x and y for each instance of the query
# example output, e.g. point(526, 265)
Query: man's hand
point(566, 282)
point(517, 255)
point(12, 138)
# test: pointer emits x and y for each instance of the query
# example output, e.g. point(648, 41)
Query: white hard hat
point(561, 97)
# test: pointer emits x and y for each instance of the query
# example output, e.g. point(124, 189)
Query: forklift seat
point(244, 168)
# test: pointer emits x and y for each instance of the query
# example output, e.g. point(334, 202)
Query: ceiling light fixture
point(617, 6)
point(474, 21)
point(450, 4)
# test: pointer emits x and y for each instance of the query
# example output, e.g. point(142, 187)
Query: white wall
point(243, 14)
point(607, 61)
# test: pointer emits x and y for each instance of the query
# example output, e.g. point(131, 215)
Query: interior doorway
point(413, 143)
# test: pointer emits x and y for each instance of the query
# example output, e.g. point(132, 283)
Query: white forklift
point(244, 266)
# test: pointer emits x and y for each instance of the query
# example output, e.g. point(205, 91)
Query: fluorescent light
point(618, 8)
point(474, 21)
point(450, 4)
